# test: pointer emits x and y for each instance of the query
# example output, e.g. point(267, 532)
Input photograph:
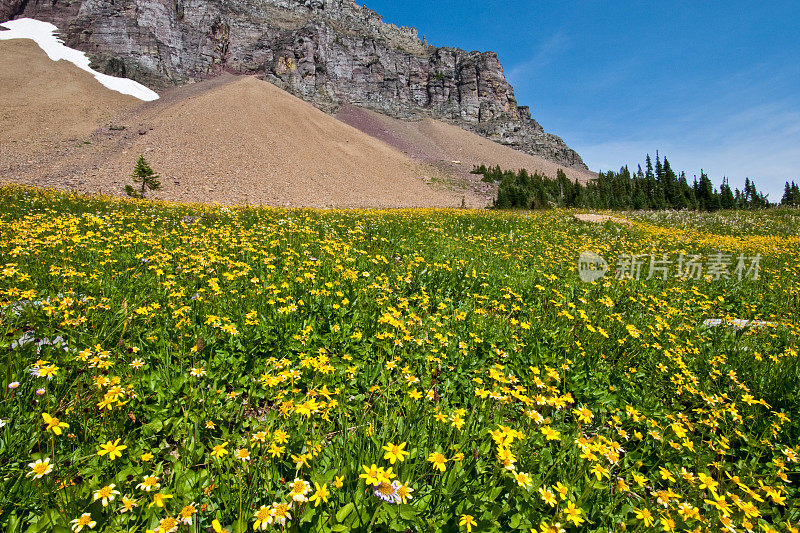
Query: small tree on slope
point(146, 176)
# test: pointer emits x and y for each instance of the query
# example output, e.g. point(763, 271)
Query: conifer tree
point(747, 193)
point(659, 167)
point(707, 197)
point(791, 195)
point(727, 199)
point(754, 199)
point(145, 175)
point(673, 194)
point(625, 190)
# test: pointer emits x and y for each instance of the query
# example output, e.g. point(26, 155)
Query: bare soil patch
point(47, 107)
point(236, 140)
point(599, 219)
point(451, 148)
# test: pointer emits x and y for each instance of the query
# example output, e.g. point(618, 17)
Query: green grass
point(465, 333)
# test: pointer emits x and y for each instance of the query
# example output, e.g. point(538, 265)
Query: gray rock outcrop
point(328, 52)
point(9, 8)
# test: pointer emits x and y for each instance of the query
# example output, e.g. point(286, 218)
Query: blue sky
point(710, 84)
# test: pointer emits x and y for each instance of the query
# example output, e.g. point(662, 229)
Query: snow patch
point(44, 34)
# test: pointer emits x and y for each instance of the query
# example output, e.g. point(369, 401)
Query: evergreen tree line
point(791, 195)
point(655, 187)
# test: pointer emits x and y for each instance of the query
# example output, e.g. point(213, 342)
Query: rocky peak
point(328, 52)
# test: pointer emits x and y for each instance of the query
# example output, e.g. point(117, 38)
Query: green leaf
point(308, 514)
point(396, 525)
point(407, 512)
point(516, 521)
point(14, 524)
point(153, 427)
point(47, 522)
point(344, 512)
point(493, 494)
point(240, 526)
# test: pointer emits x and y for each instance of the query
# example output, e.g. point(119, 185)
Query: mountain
point(328, 52)
point(449, 148)
point(230, 139)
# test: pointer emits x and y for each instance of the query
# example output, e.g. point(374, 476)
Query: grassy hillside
point(255, 366)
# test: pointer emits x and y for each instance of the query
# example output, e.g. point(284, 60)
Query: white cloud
point(770, 161)
point(546, 52)
point(761, 141)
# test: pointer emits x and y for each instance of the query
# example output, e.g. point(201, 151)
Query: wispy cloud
point(769, 159)
point(735, 116)
point(544, 54)
point(739, 129)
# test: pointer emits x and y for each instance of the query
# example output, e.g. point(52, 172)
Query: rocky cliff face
point(326, 51)
point(8, 8)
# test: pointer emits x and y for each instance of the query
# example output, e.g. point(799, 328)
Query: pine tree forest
point(654, 187)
